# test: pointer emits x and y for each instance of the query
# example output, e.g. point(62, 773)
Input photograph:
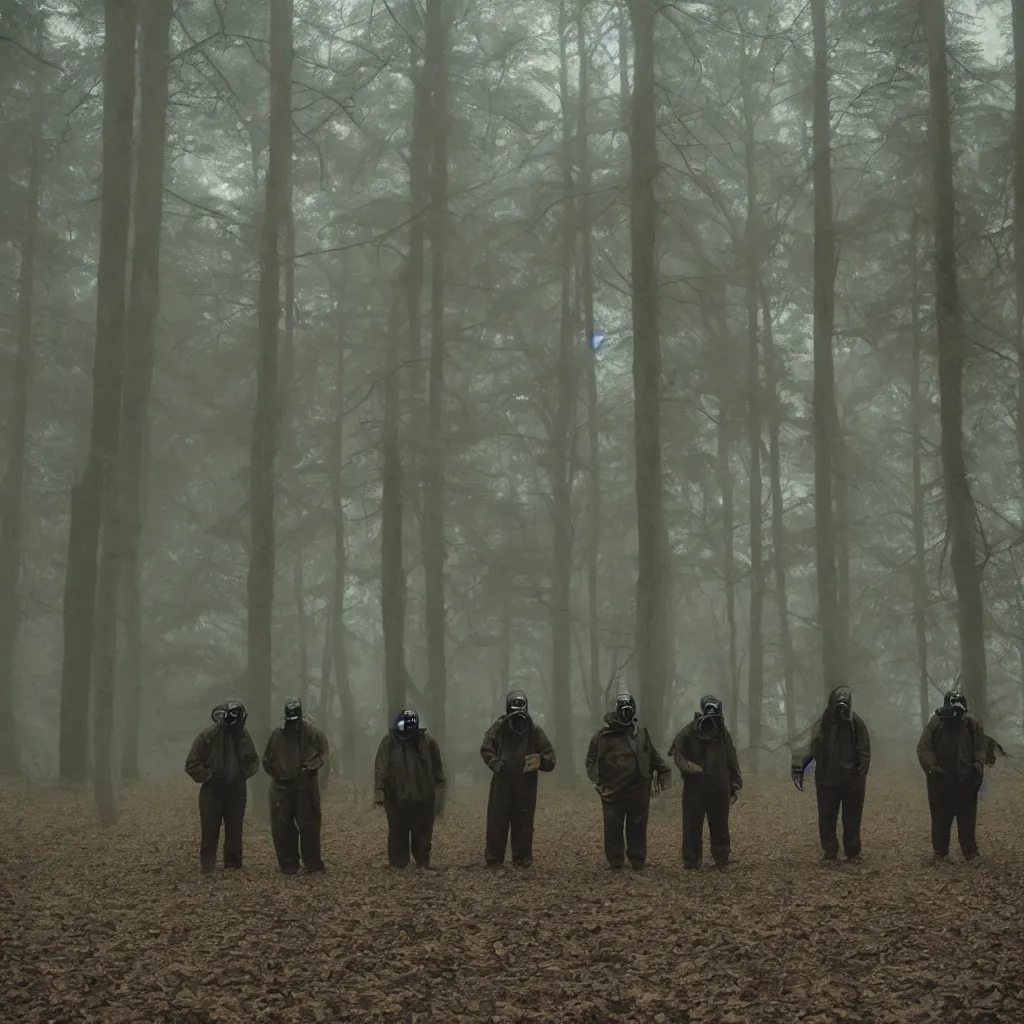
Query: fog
point(353, 399)
point(392, 358)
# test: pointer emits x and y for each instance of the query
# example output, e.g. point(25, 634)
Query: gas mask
point(292, 713)
point(234, 714)
point(711, 718)
point(954, 705)
point(843, 704)
point(625, 709)
point(407, 725)
point(517, 712)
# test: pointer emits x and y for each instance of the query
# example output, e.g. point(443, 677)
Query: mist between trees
point(376, 354)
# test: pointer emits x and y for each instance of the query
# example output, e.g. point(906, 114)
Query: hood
point(954, 706)
point(831, 717)
point(516, 695)
point(833, 697)
point(833, 702)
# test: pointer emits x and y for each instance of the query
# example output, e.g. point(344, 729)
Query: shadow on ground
point(118, 926)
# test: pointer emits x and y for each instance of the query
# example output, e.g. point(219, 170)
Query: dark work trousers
point(295, 824)
point(630, 807)
point(700, 801)
point(410, 828)
point(952, 800)
point(511, 804)
point(221, 802)
point(847, 797)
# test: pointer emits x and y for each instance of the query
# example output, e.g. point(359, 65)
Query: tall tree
point(752, 257)
point(715, 318)
point(392, 573)
point(436, 72)
point(960, 510)
point(651, 613)
point(266, 422)
point(564, 425)
point(95, 492)
point(143, 306)
point(772, 382)
point(108, 370)
point(917, 453)
point(415, 269)
point(824, 372)
point(586, 276)
point(12, 484)
point(1017, 14)
point(336, 630)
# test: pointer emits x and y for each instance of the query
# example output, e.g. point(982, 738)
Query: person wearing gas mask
point(706, 756)
point(952, 753)
point(295, 754)
point(841, 750)
point(222, 758)
point(515, 748)
point(626, 771)
point(409, 783)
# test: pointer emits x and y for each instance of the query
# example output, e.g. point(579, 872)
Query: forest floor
point(117, 926)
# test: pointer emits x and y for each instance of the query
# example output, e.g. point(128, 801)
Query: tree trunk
point(266, 424)
point(841, 491)
point(392, 583)
point(436, 71)
point(564, 431)
point(960, 511)
point(1017, 9)
point(594, 682)
point(773, 378)
point(505, 650)
point(716, 324)
point(86, 652)
point(12, 484)
point(752, 257)
point(325, 708)
point(290, 444)
point(337, 631)
point(143, 306)
point(651, 622)
point(917, 441)
point(299, 595)
point(79, 605)
point(419, 200)
point(623, 34)
point(824, 374)
point(108, 369)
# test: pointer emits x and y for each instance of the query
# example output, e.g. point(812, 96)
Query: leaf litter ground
point(118, 927)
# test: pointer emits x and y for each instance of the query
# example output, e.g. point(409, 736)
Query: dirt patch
point(119, 927)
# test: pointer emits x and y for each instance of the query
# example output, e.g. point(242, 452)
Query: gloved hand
point(733, 799)
point(693, 769)
point(603, 790)
point(798, 778)
point(655, 784)
point(532, 763)
point(936, 770)
point(439, 801)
